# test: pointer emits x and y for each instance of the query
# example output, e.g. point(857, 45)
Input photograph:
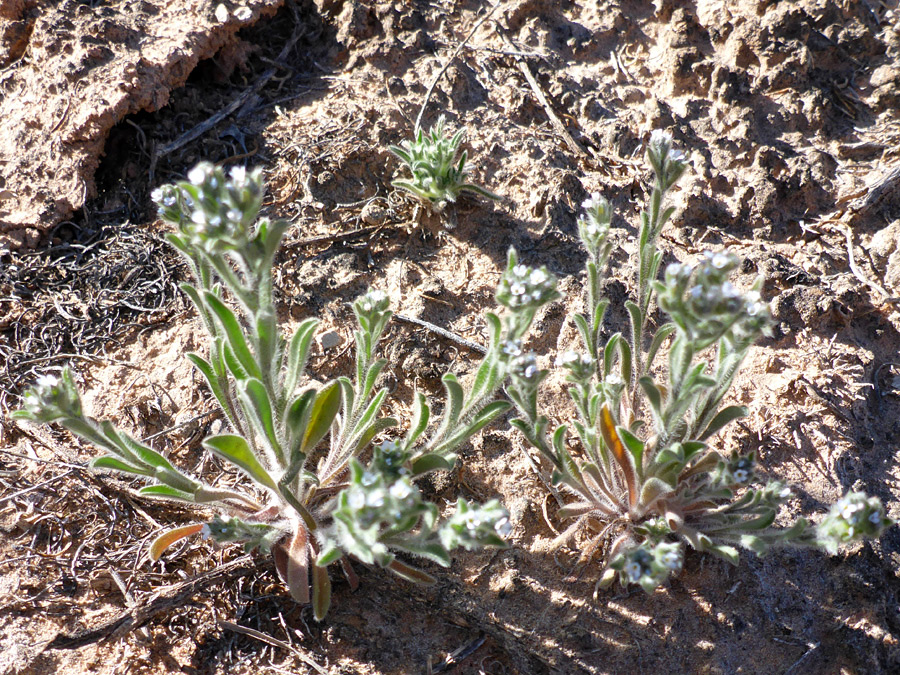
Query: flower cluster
point(737, 470)
point(593, 226)
point(390, 459)
point(475, 526)
point(372, 310)
point(649, 564)
point(438, 177)
point(706, 306)
point(371, 509)
point(579, 364)
point(523, 287)
point(668, 163)
point(52, 398)
point(253, 535)
point(853, 516)
point(214, 212)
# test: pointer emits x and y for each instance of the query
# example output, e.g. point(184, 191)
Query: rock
point(85, 71)
point(330, 340)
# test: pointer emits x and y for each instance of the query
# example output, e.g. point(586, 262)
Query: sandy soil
point(789, 112)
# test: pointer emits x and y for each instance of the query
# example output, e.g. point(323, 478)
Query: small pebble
point(330, 340)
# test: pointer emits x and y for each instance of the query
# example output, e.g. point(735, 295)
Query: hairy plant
point(310, 499)
point(641, 472)
point(438, 175)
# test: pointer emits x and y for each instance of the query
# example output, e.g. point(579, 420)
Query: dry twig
point(557, 123)
point(164, 599)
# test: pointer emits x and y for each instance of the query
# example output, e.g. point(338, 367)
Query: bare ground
point(789, 112)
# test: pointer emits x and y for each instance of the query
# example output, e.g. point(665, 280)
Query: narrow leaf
point(421, 416)
point(212, 379)
point(635, 446)
point(328, 556)
point(634, 313)
point(167, 492)
point(258, 397)
point(453, 404)
point(116, 464)
point(372, 430)
point(575, 510)
point(235, 450)
point(233, 333)
point(298, 353)
point(430, 462)
point(297, 568)
point(662, 333)
point(653, 394)
point(609, 352)
point(432, 551)
point(488, 414)
point(324, 410)
point(625, 355)
point(321, 591)
point(623, 458)
point(298, 413)
point(166, 539)
point(723, 417)
point(410, 573)
point(654, 489)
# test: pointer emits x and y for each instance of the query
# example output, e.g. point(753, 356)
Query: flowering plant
point(438, 176)
point(310, 500)
point(643, 476)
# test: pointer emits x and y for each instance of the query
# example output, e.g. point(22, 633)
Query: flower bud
point(853, 517)
point(525, 287)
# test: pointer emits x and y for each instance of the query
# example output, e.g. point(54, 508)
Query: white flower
point(720, 260)
point(850, 512)
point(567, 357)
point(591, 202)
point(658, 137)
point(401, 490)
point(390, 446)
point(512, 348)
point(47, 380)
point(503, 527)
point(356, 500)
point(741, 475)
point(633, 571)
point(538, 277)
point(198, 174)
point(238, 174)
point(672, 560)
